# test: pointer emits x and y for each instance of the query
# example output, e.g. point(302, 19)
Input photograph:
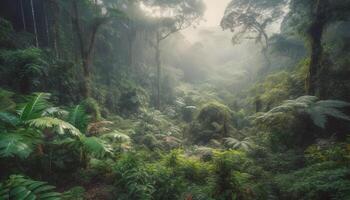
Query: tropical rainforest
point(174, 99)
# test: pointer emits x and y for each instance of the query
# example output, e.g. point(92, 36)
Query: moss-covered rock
point(213, 122)
point(133, 101)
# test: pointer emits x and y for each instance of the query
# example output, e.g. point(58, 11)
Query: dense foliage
point(107, 99)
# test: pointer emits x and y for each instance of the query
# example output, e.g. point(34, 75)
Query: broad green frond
point(321, 110)
point(54, 123)
point(18, 144)
point(9, 119)
point(332, 103)
point(307, 99)
point(317, 110)
point(35, 107)
point(6, 102)
point(233, 143)
point(78, 118)
point(19, 187)
point(95, 146)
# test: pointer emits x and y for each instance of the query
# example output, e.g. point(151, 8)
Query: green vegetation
point(111, 99)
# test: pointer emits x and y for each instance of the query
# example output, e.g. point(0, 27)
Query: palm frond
point(35, 106)
point(78, 118)
point(19, 187)
point(54, 123)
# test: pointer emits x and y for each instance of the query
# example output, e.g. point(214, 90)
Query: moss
point(133, 101)
point(213, 122)
point(214, 112)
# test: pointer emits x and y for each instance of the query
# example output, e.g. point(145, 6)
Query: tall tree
point(34, 23)
point(313, 17)
point(23, 15)
point(86, 34)
point(249, 19)
point(169, 17)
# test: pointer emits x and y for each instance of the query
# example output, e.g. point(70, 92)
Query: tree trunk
point(265, 52)
point(158, 64)
point(86, 49)
point(86, 88)
point(55, 26)
point(34, 24)
point(23, 16)
point(46, 24)
point(130, 45)
point(315, 33)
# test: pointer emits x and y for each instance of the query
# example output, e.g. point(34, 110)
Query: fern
point(6, 102)
point(35, 107)
point(14, 145)
point(318, 111)
point(55, 112)
point(54, 123)
point(19, 143)
point(19, 187)
point(233, 143)
point(87, 145)
point(116, 136)
point(78, 118)
point(95, 146)
point(9, 119)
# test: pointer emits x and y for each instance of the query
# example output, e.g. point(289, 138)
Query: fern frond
point(54, 123)
point(95, 146)
point(9, 119)
point(233, 143)
point(332, 104)
point(317, 110)
point(19, 143)
point(12, 145)
point(6, 102)
point(78, 118)
point(35, 106)
point(55, 112)
point(307, 99)
point(19, 187)
point(116, 136)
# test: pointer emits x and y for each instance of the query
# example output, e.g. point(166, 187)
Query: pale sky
point(214, 12)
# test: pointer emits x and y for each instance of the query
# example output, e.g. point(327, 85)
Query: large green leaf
point(18, 144)
point(54, 123)
point(18, 187)
point(78, 118)
point(95, 146)
point(35, 106)
point(9, 119)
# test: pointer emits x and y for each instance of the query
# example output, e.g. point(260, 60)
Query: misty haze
point(174, 99)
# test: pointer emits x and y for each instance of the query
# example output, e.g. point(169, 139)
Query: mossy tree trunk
point(315, 33)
